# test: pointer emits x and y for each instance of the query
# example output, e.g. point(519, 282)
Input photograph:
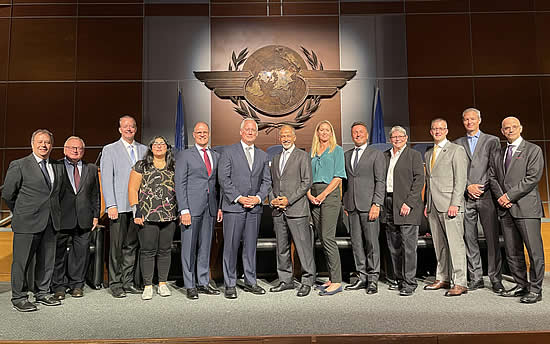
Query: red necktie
point(207, 162)
point(76, 176)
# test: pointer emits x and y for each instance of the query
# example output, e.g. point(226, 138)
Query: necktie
point(132, 154)
point(207, 162)
point(248, 156)
point(356, 160)
point(283, 161)
point(472, 142)
point(432, 162)
point(508, 160)
point(76, 175)
point(45, 173)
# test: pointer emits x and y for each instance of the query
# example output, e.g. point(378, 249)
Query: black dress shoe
point(254, 289)
point(192, 294)
point(393, 285)
point(531, 298)
point(356, 286)
point(24, 306)
point(133, 290)
point(498, 287)
point(118, 292)
point(478, 284)
point(304, 290)
point(208, 289)
point(406, 292)
point(372, 288)
point(230, 293)
point(59, 295)
point(282, 287)
point(516, 291)
point(47, 300)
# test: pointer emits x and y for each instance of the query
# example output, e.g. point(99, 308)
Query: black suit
point(78, 211)
point(36, 220)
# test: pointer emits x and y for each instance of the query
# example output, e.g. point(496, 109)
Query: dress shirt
point(70, 171)
point(472, 141)
point(201, 153)
point(328, 166)
point(48, 167)
point(441, 145)
point(252, 157)
point(516, 144)
point(284, 157)
point(393, 160)
point(133, 146)
point(357, 152)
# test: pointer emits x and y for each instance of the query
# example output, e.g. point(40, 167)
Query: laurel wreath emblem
point(305, 111)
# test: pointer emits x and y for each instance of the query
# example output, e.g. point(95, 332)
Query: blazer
point(446, 184)
point(237, 179)
point(195, 190)
point(367, 184)
point(80, 208)
point(521, 180)
point(115, 173)
point(408, 182)
point(293, 183)
point(29, 198)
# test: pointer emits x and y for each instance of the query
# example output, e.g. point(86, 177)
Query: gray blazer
point(367, 184)
point(446, 184)
point(236, 179)
point(521, 180)
point(115, 173)
point(293, 183)
point(478, 163)
point(194, 188)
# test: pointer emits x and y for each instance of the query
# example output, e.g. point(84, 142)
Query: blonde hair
point(315, 144)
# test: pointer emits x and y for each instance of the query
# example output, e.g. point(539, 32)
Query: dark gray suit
point(196, 192)
point(239, 223)
point(365, 185)
point(521, 222)
point(36, 220)
point(293, 183)
point(483, 209)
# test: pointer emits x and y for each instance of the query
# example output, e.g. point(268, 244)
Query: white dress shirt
point(49, 167)
point(393, 160)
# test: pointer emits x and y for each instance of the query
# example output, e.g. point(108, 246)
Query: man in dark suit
point(196, 171)
point(80, 206)
point(291, 177)
point(244, 177)
point(403, 208)
point(514, 177)
point(363, 198)
point(31, 192)
point(480, 204)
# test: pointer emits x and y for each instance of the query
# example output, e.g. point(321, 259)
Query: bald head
point(511, 128)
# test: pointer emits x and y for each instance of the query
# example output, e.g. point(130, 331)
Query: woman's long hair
point(148, 159)
point(315, 144)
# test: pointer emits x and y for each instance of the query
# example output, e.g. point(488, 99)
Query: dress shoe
point(457, 290)
point(47, 300)
point(437, 285)
point(372, 288)
point(328, 293)
point(163, 290)
point(192, 294)
point(516, 291)
point(392, 285)
point(254, 289)
point(406, 292)
point(498, 288)
point(133, 290)
point(357, 285)
point(147, 293)
point(477, 284)
point(76, 292)
point(282, 287)
point(230, 293)
point(208, 289)
point(304, 290)
point(59, 295)
point(321, 287)
point(531, 298)
point(24, 306)
point(118, 292)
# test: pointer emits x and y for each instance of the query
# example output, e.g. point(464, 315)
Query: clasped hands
point(248, 202)
point(504, 201)
point(280, 202)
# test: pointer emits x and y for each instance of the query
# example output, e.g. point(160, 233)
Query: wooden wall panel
point(501, 5)
point(545, 96)
point(61, 10)
point(442, 6)
point(5, 9)
point(4, 47)
point(542, 32)
point(6, 252)
point(371, 7)
point(3, 103)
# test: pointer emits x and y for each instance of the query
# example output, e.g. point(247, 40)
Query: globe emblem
point(276, 86)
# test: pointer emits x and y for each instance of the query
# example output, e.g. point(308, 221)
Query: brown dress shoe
point(437, 285)
point(457, 290)
point(77, 292)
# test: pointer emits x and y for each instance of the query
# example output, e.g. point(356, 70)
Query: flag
point(377, 134)
point(180, 141)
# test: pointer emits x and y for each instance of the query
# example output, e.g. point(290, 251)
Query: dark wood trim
point(160, 10)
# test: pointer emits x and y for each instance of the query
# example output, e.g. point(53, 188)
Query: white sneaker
point(147, 293)
point(163, 290)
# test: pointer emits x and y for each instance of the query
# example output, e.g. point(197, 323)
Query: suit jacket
point(478, 163)
point(82, 207)
point(29, 198)
point(237, 179)
point(293, 183)
point(521, 180)
point(195, 190)
point(115, 173)
point(367, 184)
point(408, 181)
point(446, 184)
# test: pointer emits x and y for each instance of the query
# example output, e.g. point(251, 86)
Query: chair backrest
point(422, 148)
point(381, 146)
point(273, 150)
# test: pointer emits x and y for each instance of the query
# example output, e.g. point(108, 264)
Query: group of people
point(148, 192)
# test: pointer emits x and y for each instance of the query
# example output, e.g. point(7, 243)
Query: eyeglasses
point(248, 130)
point(398, 137)
point(159, 144)
point(513, 127)
point(438, 129)
point(75, 148)
point(201, 132)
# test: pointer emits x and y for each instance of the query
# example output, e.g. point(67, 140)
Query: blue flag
point(377, 134)
point(180, 141)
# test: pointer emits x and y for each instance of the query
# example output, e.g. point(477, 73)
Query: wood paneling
point(61, 10)
point(542, 32)
point(371, 7)
point(106, 10)
point(238, 9)
point(6, 250)
point(501, 5)
point(545, 96)
point(177, 10)
point(46, 1)
point(429, 6)
point(329, 8)
point(3, 101)
point(4, 47)
point(5, 10)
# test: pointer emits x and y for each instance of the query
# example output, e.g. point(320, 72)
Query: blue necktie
point(132, 154)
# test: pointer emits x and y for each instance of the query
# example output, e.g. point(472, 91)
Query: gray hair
point(126, 116)
point(286, 126)
point(478, 113)
point(42, 131)
point(438, 119)
point(201, 122)
point(249, 119)
point(399, 129)
point(74, 138)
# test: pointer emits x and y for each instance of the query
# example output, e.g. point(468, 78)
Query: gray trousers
point(367, 255)
point(303, 240)
point(196, 241)
point(450, 250)
point(484, 210)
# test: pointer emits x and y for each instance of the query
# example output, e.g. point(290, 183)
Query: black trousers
point(25, 246)
point(70, 267)
point(155, 240)
point(123, 251)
